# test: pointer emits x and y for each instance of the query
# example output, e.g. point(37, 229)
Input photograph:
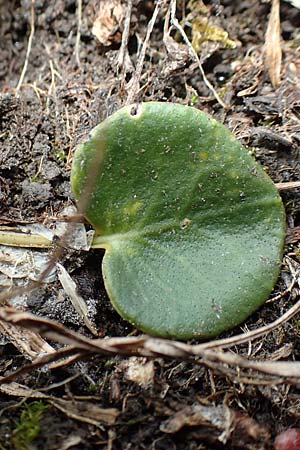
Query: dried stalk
point(79, 21)
point(135, 82)
point(223, 362)
point(28, 48)
point(273, 53)
point(177, 25)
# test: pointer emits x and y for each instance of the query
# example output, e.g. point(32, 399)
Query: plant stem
point(16, 239)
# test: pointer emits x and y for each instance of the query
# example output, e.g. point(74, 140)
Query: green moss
point(28, 429)
point(60, 155)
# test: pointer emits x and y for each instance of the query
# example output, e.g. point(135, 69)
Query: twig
point(177, 25)
point(273, 52)
point(223, 362)
point(79, 22)
point(141, 57)
point(125, 36)
point(288, 185)
point(26, 240)
point(28, 49)
point(64, 353)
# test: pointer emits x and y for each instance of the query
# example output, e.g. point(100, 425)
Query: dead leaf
point(273, 53)
point(218, 419)
point(107, 25)
point(26, 341)
point(217, 423)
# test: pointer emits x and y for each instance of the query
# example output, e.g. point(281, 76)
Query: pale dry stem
point(23, 73)
point(230, 364)
point(135, 81)
point(125, 37)
point(78, 35)
point(177, 25)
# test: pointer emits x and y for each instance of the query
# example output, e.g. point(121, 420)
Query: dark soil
point(56, 106)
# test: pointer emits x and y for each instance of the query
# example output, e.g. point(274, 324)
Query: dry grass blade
point(272, 49)
point(18, 390)
point(26, 341)
point(135, 81)
point(123, 52)
point(86, 411)
point(82, 411)
point(178, 27)
point(76, 300)
point(19, 239)
point(64, 354)
point(32, 28)
point(288, 185)
point(79, 22)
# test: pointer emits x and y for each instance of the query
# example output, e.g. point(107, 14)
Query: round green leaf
point(192, 226)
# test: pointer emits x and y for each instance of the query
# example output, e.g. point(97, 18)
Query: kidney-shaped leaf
point(192, 226)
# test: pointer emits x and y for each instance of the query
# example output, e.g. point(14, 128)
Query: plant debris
point(107, 24)
point(217, 424)
point(84, 411)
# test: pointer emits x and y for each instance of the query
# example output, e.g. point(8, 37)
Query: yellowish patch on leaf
point(203, 156)
point(132, 208)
